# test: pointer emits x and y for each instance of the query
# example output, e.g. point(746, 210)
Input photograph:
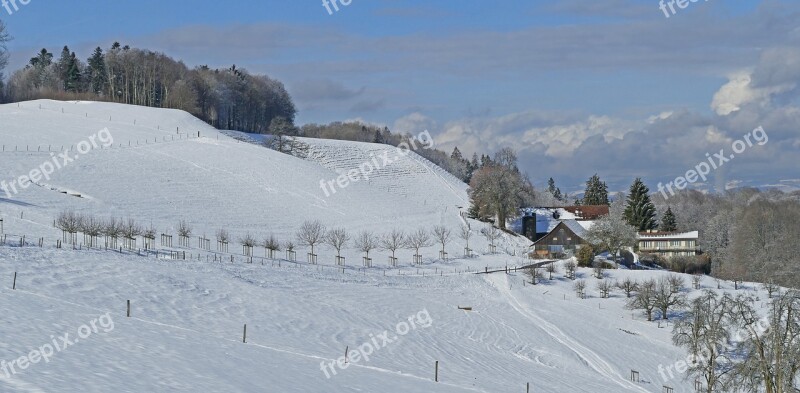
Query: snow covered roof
point(579, 227)
point(548, 217)
point(669, 235)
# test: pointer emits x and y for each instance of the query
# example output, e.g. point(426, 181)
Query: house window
point(675, 243)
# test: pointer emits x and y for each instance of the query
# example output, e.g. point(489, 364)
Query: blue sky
point(576, 86)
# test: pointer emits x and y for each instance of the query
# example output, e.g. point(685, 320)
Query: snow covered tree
point(668, 222)
point(554, 191)
point(611, 233)
point(4, 38)
point(596, 192)
point(640, 211)
point(569, 269)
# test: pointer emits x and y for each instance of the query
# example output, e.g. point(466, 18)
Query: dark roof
point(589, 212)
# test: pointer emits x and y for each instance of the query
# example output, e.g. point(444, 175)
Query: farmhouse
point(564, 239)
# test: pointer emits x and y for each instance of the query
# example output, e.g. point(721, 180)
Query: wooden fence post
point(14, 286)
point(436, 378)
point(244, 335)
point(129, 308)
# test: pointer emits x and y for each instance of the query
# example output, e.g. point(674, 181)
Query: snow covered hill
point(187, 324)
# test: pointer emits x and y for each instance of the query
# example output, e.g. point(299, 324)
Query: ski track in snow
point(588, 356)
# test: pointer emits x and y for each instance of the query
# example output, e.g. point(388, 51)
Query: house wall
point(669, 247)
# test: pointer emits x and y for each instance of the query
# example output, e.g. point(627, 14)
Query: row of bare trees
point(314, 233)
point(310, 234)
point(71, 223)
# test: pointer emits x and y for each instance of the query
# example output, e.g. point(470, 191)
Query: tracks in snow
point(588, 356)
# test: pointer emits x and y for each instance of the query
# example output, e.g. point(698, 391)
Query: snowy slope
point(188, 315)
point(213, 181)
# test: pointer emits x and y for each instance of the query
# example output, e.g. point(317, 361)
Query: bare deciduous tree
point(184, 229)
point(465, 233)
point(491, 234)
point(551, 268)
point(705, 332)
point(271, 244)
point(535, 274)
point(366, 241)
point(666, 297)
point(645, 299)
point(770, 347)
point(604, 286)
point(393, 241)
point(417, 240)
point(580, 289)
point(442, 235)
point(337, 238)
point(311, 233)
point(676, 283)
point(223, 236)
point(628, 285)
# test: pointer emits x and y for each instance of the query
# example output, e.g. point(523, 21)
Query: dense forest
point(229, 98)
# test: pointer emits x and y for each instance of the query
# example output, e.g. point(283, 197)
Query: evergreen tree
point(640, 211)
point(456, 154)
point(668, 223)
point(596, 192)
point(97, 71)
point(42, 60)
point(63, 65)
point(72, 78)
point(555, 191)
point(475, 164)
point(378, 137)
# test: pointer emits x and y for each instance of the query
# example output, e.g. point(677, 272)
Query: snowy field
point(187, 324)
